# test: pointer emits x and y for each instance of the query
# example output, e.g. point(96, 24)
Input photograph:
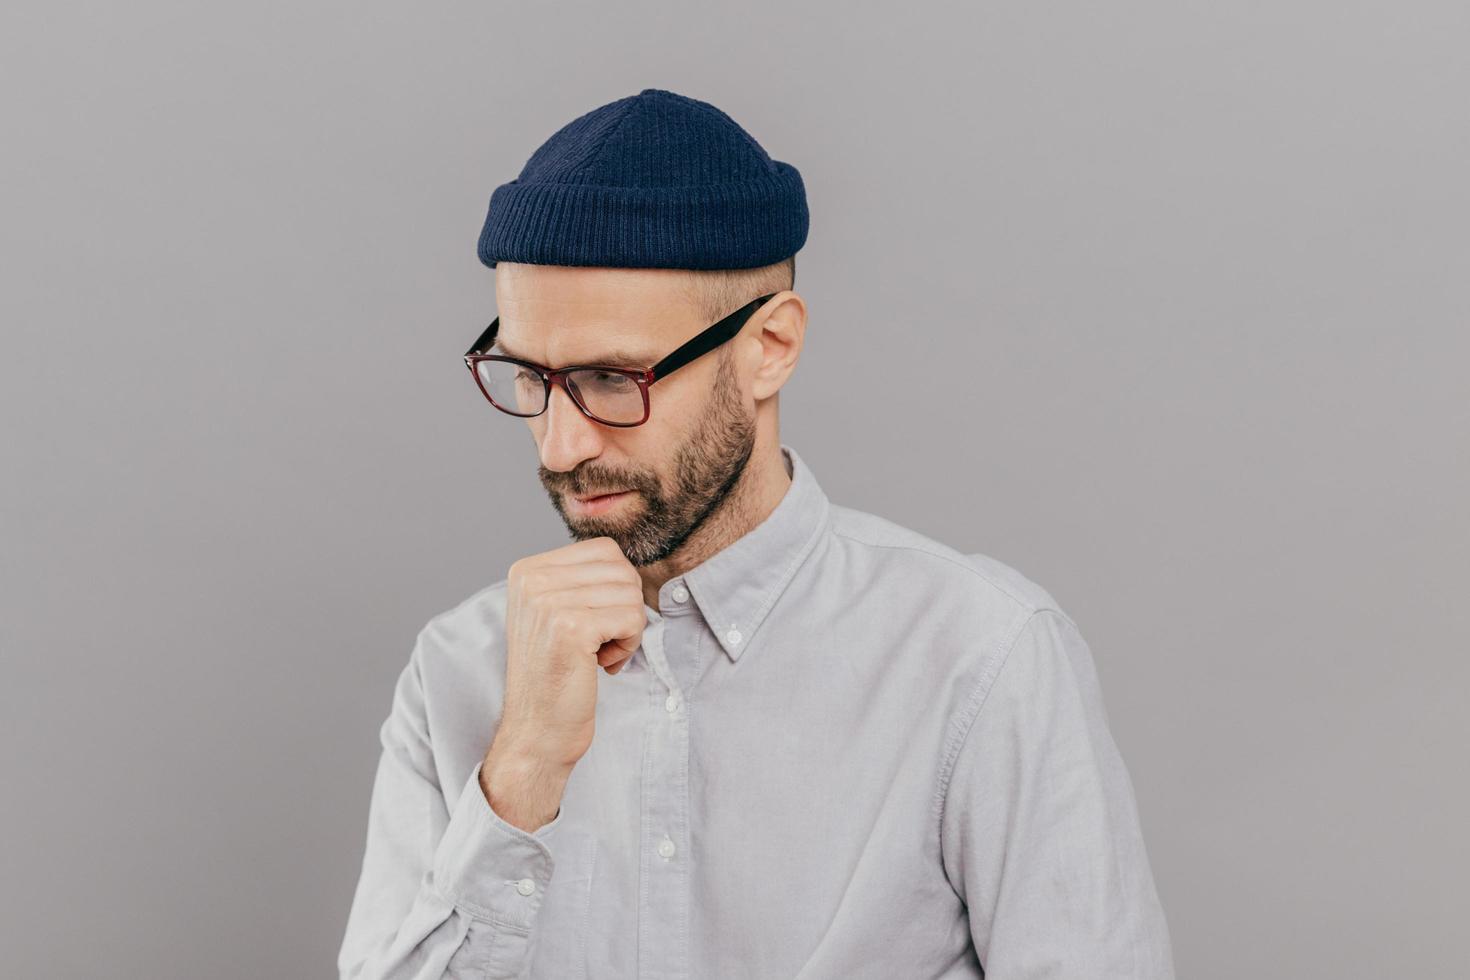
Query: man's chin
point(583, 528)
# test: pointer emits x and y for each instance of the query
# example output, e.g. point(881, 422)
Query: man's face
point(678, 466)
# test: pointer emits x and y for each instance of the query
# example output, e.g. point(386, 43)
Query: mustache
point(591, 487)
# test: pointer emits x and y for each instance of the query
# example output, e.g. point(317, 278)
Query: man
point(733, 729)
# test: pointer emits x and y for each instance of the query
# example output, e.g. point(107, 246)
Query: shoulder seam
point(964, 720)
point(967, 566)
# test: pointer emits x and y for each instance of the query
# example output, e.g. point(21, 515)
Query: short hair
point(717, 293)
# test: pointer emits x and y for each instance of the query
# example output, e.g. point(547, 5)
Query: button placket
point(663, 902)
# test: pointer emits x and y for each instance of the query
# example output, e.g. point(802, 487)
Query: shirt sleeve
point(1040, 834)
point(446, 888)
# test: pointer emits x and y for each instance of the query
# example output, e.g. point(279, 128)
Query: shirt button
point(733, 636)
point(666, 848)
point(680, 593)
point(525, 886)
point(671, 703)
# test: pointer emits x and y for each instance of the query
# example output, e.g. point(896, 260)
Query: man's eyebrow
point(614, 358)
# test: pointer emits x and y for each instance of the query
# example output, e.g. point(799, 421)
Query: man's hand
point(568, 612)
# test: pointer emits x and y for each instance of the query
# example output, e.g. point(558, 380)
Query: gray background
point(1171, 297)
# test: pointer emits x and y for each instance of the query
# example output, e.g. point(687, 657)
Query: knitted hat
point(654, 180)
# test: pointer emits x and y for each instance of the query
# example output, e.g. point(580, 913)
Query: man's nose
point(569, 436)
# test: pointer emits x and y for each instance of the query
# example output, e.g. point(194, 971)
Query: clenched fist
point(569, 611)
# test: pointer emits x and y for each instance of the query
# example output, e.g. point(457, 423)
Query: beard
point(657, 521)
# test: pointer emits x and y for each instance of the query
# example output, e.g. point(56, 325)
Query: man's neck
point(760, 489)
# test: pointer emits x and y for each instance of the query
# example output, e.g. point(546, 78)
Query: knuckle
point(523, 571)
point(566, 625)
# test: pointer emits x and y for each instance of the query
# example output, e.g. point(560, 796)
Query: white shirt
point(844, 750)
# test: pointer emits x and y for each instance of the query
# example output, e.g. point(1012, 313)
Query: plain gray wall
point(1172, 297)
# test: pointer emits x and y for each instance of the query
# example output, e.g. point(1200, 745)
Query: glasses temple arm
point(485, 339)
point(710, 339)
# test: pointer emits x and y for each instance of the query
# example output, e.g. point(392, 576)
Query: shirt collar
point(736, 587)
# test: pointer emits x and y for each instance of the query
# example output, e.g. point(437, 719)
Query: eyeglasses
point(610, 395)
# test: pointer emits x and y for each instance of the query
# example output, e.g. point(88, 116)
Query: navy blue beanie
point(654, 180)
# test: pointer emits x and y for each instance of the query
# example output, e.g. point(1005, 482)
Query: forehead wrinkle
point(617, 357)
point(620, 317)
point(559, 318)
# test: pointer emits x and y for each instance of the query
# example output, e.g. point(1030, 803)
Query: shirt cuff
point(491, 869)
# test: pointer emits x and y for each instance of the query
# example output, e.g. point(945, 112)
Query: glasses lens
point(610, 396)
point(518, 390)
point(512, 387)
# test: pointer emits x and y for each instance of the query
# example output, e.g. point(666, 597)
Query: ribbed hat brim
point(719, 226)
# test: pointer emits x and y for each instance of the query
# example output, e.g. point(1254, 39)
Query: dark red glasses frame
point(697, 346)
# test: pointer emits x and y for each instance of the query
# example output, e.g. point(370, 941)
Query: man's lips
point(598, 504)
point(601, 493)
